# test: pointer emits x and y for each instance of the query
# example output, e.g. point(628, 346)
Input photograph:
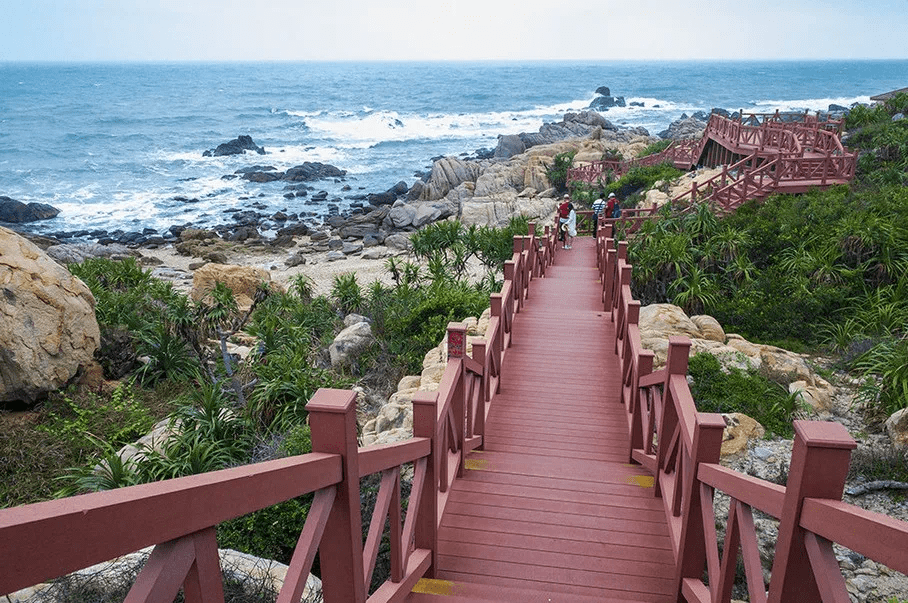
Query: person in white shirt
point(571, 227)
point(598, 206)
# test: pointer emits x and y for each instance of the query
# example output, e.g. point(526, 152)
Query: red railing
point(681, 447)
point(781, 155)
point(43, 541)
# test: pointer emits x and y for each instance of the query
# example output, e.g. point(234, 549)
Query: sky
point(298, 30)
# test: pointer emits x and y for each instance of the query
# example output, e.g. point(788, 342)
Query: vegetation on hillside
point(170, 355)
point(827, 269)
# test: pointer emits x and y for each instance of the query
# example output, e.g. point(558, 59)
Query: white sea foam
point(811, 104)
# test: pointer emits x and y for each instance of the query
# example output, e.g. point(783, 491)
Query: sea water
point(120, 146)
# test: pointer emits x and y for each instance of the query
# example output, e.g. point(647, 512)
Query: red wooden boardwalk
point(551, 510)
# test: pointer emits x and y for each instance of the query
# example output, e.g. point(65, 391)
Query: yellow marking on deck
point(644, 481)
point(476, 464)
point(428, 586)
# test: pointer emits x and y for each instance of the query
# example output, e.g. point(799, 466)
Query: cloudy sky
point(204, 30)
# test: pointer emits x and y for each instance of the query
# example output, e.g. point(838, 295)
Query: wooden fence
point(768, 153)
point(43, 541)
point(681, 446)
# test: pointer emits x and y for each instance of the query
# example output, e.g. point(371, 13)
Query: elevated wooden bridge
point(553, 464)
point(760, 154)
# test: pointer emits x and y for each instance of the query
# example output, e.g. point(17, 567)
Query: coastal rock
point(48, 329)
point(349, 342)
point(242, 280)
point(508, 146)
point(709, 328)
point(17, 212)
point(69, 253)
point(447, 174)
point(402, 215)
point(237, 146)
point(604, 103)
point(430, 212)
point(389, 196)
point(497, 212)
point(500, 179)
point(398, 242)
point(536, 172)
point(739, 431)
point(684, 128)
point(311, 170)
point(897, 428)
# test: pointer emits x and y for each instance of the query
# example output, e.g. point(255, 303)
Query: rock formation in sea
point(237, 146)
point(17, 212)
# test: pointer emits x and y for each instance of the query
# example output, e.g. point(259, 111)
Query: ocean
point(120, 146)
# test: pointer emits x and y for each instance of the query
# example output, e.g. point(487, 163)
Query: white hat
point(611, 195)
point(566, 196)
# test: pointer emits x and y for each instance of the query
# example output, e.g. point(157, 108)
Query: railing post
point(644, 367)
point(332, 418)
point(819, 464)
point(480, 355)
point(706, 448)
point(457, 349)
point(425, 415)
point(611, 263)
point(675, 364)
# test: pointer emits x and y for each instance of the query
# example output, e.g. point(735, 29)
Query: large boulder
point(48, 328)
point(242, 280)
point(897, 428)
point(237, 146)
point(17, 212)
point(483, 211)
point(686, 127)
point(349, 342)
point(508, 146)
point(447, 174)
point(312, 170)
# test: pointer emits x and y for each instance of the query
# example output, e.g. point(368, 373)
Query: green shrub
point(654, 148)
point(747, 392)
point(272, 533)
point(558, 174)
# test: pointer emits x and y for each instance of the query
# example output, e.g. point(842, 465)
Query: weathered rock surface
point(242, 280)
point(349, 342)
point(17, 212)
point(69, 253)
point(659, 321)
point(897, 428)
point(686, 127)
point(237, 146)
point(739, 431)
point(48, 328)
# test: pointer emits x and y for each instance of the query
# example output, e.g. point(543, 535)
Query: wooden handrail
point(46, 540)
point(681, 447)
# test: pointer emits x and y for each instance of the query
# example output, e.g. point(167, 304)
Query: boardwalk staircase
point(760, 154)
point(555, 462)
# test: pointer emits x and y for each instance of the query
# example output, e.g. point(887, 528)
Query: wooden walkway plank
point(551, 504)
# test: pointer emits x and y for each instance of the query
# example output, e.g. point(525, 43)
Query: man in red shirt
point(563, 211)
point(610, 205)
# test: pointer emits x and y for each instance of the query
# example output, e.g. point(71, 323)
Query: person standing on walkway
point(563, 211)
point(571, 226)
point(598, 207)
point(610, 206)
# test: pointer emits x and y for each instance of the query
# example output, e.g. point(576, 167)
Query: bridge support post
point(332, 418)
point(819, 464)
point(425, 421)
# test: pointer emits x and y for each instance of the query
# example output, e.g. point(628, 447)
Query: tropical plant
point(558, 173)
